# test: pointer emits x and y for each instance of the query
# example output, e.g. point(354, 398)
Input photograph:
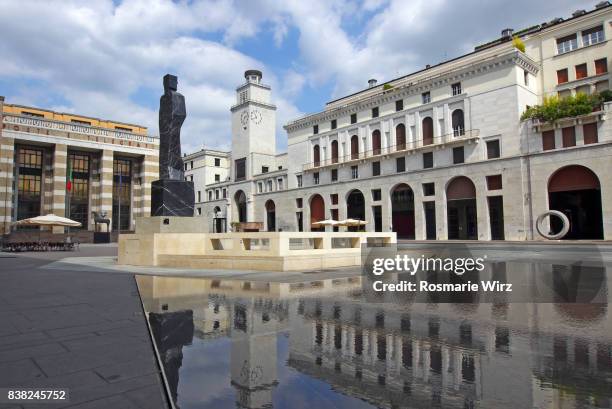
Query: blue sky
point(106, 58)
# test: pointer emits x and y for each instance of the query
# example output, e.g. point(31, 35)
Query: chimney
point(371, 83)
point(506, 33)
point(428, 66)
point(602, 4)
point(578, 13)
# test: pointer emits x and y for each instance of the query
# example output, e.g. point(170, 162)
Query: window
point(601, 66)
point(376, 195)
point(185, 166)
point(299, 180)
point(375, 112)
point(548, 140)
point(191, 165)
point(458, 155)
point(353, 118)
point(199, 196)
point(494, 182)
point(315, 129)
point(569, 136)
point(269, 183)
point(581, 71)
point(32, 114)
point(456, 88)
point(493, 149)
point(217, 177)
point(334, 198)
point(592, 36)
point(354, 172)
point(299, 203)
point(399, 104)
point(428, 160)
point(334, 124)
point(426, 97)
point(567, 43)
point(375, 168)
point(224, 193)
point(216, 194)
point(526, 77)
point(279, 182)
point(429, 189)
point(400, 164)
point(199, 211)
point(243, 96)
point(264, 169)
point(259, 187)
point(240, 168)
point(217, 162)
point(590, 133)
point(334, 175)
point(458, 122)
point(315, 178)
point(562, 76)
point(209, 195)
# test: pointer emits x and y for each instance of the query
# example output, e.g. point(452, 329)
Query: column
point(7, 154)
point(60, 160)
point(150, 173)
point(419, 212)
point(106, 184)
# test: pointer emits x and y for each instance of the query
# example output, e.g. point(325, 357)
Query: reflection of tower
point(253, 359)
point(172, 330)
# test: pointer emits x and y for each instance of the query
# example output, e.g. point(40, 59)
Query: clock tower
point(253, 125)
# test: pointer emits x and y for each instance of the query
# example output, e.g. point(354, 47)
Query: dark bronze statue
point(171, 195)
point(172, 114)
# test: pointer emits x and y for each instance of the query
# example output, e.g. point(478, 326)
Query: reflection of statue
point(172, 114)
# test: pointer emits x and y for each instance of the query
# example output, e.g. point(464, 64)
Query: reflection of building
point(112, 165)
point(440, 153)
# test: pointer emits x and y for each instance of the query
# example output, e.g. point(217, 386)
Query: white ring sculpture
point(556, 236)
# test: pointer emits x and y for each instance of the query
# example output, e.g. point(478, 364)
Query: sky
point(106, 58)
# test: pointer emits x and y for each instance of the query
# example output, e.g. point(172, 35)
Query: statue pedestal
point(172, 198)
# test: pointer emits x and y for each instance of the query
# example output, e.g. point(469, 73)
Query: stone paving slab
point(76, 329)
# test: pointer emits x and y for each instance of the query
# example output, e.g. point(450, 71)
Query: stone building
point(440, 153)
point(112, 165)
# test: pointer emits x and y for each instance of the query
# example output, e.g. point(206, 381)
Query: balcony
point(460, 136)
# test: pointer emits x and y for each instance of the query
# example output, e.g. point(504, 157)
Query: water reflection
point(322, 344)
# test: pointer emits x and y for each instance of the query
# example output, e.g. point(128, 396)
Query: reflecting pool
point(322, 344)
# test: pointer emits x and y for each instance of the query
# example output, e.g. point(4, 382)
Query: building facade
point(203, 168)
point(110, 166)
point(441, 153)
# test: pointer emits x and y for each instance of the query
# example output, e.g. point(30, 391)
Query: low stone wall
point(265, 251)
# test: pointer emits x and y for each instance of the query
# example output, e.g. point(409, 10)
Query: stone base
point(172, 198)
point(169, 224)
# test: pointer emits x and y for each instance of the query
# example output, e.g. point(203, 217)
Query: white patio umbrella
point(352, 222)
point(327, 222)
point(48, 220)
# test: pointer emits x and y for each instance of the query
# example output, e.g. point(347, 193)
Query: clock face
point(256, 116)
point(244, 118)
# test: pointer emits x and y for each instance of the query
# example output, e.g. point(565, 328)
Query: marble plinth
point(172, 198)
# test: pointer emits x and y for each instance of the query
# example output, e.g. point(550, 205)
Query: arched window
point(427, 128)
point(458, 123)
point(354, 147)
point(376, 142)
point(334, 151)
point(316, 155)
point(400, 137)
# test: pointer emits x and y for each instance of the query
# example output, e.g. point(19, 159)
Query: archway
point(317, 212)
point(241, 206)
point(427, 128)
point(402, 211)
point(400, 137)
point(219, 221)
point(334, 151)
point(354, 147)
point(458, 122)
point(271, 215)
point(575, 190)
point(316, 155)
point(355, 207)
point(376, 142)
point(461, 209)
